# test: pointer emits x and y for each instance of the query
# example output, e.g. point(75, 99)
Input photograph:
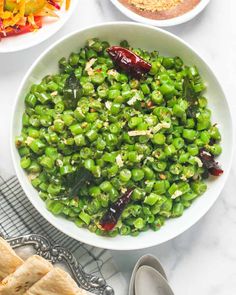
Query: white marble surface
point(203, 259)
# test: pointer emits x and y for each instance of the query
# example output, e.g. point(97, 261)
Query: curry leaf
point(72, 91)
point(75, 181)
point(188, 90)
point(191, 96)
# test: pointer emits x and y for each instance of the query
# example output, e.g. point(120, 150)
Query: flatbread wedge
point(56, 282)
point(9, 261)
point(32, 270)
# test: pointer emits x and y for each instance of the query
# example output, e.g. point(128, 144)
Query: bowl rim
point(162, 23)
point(25, 45)
point(94, 242)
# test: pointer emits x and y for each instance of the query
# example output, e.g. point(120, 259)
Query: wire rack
point(19, 217)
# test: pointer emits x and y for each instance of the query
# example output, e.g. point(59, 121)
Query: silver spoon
point(148, 260)
point(151, 282)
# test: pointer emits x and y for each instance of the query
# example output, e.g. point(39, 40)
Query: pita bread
point(9, 261)
point(56, 282)
point(32, 270)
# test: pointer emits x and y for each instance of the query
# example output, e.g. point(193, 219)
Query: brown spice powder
point(155, 5)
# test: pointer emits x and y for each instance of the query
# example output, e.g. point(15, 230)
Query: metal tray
point(59, 255)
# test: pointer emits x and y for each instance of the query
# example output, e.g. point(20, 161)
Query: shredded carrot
point(1, 6)
point(22, 7)
point(67, 4)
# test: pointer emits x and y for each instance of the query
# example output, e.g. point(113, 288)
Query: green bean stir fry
point(143, 134)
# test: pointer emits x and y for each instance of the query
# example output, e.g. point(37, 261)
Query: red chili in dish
point(209, 163)
point(109, 220)
point(128, 61)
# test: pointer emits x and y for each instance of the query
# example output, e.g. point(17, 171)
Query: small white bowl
point(162, 23)
point(50, 27)
point(150, 38)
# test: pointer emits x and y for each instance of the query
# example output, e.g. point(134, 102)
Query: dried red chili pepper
point(128, 61)
point(209, 163)
point(109, 220)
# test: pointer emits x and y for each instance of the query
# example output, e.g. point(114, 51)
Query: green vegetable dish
point(105, 144)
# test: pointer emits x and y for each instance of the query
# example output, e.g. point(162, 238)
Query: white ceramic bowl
point(50, 27)
point(145, 37)
point(162, 23)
